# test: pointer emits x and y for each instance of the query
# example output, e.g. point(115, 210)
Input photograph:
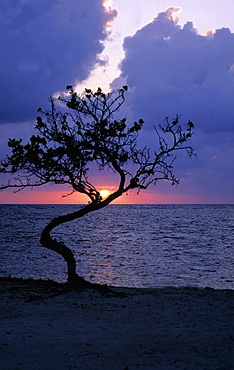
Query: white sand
point(171, 328)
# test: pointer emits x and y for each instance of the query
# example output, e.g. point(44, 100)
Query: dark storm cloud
point(45, 45)
point(172, 70)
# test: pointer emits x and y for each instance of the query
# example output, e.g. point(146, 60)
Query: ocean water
point(124, 245)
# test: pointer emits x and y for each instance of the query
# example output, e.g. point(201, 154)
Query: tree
point(79, 131)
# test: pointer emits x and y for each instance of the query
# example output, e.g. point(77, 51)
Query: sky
point(177, 57)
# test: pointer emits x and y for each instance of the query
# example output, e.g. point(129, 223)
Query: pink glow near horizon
point(147, 197)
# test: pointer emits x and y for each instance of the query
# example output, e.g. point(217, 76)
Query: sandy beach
point(167, 328)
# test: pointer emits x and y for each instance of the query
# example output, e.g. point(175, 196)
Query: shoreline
point(148, 328)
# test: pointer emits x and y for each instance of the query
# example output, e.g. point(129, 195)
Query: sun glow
point(104, 193)
point(108, 3)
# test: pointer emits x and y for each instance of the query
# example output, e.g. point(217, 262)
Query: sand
point(167, 328)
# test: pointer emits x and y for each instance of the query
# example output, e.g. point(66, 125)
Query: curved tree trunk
point(47, 241)
point(74, 280)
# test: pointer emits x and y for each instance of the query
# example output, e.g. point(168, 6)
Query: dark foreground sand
point(170, 328)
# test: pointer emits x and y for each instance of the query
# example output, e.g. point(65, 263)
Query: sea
point(139, 246)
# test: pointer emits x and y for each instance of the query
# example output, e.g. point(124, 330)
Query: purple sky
point(170, 69)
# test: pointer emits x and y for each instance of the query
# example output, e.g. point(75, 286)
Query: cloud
point(171, 69)
point(45, 45)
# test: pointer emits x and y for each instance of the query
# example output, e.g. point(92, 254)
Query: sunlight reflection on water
point(122, 245)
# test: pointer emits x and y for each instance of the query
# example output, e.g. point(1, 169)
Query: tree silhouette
point(79, 131)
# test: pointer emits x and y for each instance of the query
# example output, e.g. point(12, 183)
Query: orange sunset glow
point(132, 197)
point(104, 193)
point(193, 77)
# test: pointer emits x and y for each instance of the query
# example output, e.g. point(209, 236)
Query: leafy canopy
point(80, 130)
